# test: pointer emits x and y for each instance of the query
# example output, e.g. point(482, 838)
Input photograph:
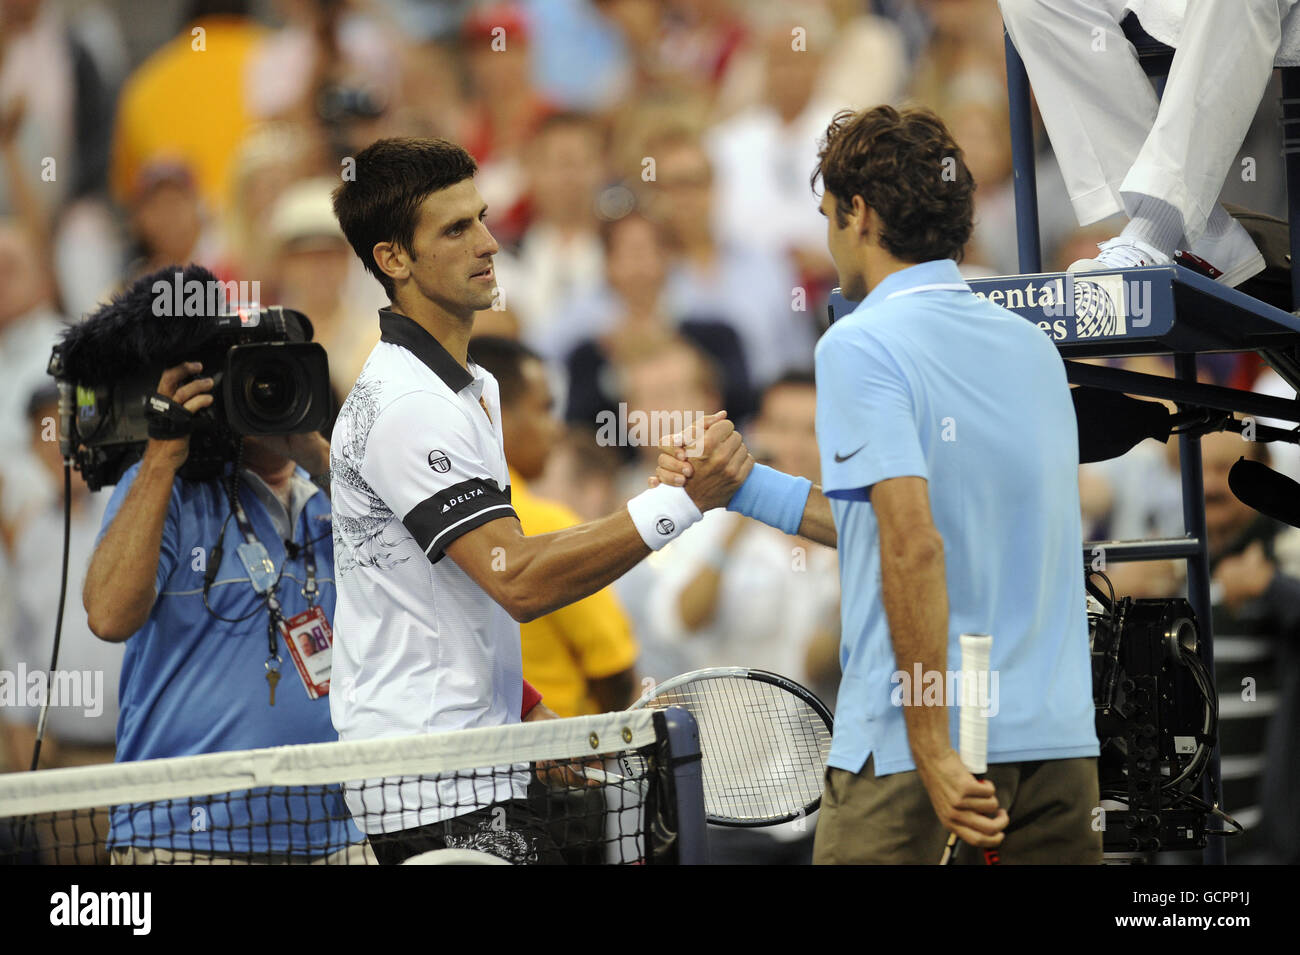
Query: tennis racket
point(764, 742)
point(973, 738)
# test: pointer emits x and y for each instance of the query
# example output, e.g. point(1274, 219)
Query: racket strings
point(767, 748)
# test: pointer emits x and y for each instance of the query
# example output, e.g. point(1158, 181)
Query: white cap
point(304, 211)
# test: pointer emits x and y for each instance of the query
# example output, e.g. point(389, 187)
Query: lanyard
point(271, 584)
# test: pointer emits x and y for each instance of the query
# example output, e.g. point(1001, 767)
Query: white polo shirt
point(419, 647)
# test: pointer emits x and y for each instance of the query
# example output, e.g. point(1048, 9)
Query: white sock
point(1156, 223)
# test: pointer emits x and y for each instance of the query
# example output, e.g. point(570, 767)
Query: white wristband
point(662, 513)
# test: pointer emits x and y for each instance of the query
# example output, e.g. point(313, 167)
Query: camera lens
point(269, 390)
point(273, 392)
point(277, 388)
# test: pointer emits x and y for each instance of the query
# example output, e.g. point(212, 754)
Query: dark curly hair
point(908, 168)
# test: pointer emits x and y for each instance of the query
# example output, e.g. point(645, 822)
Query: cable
point(1197, 765)
point(1189, 801)
point(215, 555)
point(58, 620)
point(1096, 593)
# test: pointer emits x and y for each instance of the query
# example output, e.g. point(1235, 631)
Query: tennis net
point(589, 790)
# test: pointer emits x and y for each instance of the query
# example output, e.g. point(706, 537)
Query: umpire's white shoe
point(1122, 252)
point(1230, 258)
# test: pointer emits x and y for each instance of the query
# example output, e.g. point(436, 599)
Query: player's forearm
point(119, 589)
point(916, 603)
point(818, 524)
point(553, 570)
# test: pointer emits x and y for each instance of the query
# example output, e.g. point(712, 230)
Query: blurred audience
point(270, 159)
point(332, 59)
point(62, 72)
point(579, 58)
point(29, 327)
point(764, 155)
point(167, 220)
point(188, 102)
point(582, 474)
point(751, 290)
point(314, 271)
point(75, 735)
point(1256, 596)
point(559, 255)
point(36, 68)
point(504, 109)
point(679, 46)
point(631, 315)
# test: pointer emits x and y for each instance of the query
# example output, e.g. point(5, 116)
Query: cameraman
point(168, 577)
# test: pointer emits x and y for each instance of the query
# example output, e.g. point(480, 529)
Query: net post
point(688, 786)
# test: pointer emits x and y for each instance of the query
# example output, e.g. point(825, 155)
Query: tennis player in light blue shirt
point(949, 469)
point(925, 380)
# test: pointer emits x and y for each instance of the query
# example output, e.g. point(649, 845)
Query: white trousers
point(1114, 140)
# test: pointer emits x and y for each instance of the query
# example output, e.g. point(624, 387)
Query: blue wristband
point(773, 497)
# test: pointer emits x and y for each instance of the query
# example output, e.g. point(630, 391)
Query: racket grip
point(973, 740)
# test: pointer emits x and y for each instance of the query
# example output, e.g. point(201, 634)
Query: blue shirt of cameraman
point(193, 683)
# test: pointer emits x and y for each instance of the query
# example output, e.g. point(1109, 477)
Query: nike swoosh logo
point(840, 459)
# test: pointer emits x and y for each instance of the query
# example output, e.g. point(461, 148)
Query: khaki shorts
point(888, 820)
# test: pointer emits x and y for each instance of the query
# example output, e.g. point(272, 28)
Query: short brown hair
point(907, 167)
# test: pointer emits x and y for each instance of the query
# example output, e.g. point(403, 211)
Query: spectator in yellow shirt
point(582, 657)
point(186, 103)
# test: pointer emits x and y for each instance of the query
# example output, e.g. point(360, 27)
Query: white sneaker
point(1122, 252)
point(1229, 259)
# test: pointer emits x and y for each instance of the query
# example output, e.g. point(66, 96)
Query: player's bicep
point(488, 552)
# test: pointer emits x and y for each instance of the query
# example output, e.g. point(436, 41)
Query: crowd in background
point(646, 166)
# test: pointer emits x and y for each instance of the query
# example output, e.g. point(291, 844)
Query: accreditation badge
point(311, 644)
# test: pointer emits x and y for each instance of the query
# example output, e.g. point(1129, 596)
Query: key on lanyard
point(273, 675)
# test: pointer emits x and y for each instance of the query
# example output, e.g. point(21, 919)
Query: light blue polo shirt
point(924, 379)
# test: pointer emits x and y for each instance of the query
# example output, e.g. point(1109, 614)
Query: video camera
point(269, 378)
point(1157, 722)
